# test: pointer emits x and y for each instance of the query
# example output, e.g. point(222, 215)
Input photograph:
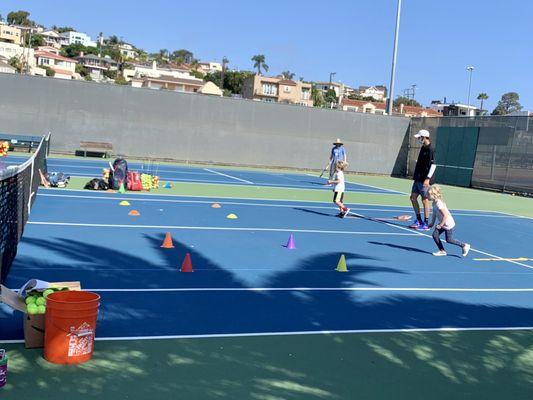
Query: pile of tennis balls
point(36, 300)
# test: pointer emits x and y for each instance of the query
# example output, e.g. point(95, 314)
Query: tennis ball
point(41, 309)
point(32, 309)
point(40, 301)
point(30, 300)
point(47, 292)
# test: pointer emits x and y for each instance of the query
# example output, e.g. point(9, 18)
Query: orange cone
point(167, 243)
point(134, 213)
point(186, 266)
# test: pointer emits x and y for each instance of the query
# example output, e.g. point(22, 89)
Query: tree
point(113, 40)
point(63, 29)
point(225, 61)
point(16, 63)
point(482, 96)
point(162, 55)
point(259, 63)
point(405, 101)
point(318, 97)
point(288, 75)
point(233, 80)
point(508, 104)
point(83, 71)
point(120, 80)
point(183, 57)
point(35, 41)
point(74, 50)
point(49, 71)
point(330, 97)
point(19, 18)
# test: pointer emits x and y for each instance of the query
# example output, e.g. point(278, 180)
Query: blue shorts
point(419, 188)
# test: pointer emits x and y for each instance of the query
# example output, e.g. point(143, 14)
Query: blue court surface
point(246, 282)
point(201, 175)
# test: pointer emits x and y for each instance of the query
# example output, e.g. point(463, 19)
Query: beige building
point(165, 82)
point(363, 106)
point(10, 34)
point(278, 90)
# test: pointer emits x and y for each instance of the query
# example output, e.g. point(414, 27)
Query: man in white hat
point(423, 177)
point(338, 153)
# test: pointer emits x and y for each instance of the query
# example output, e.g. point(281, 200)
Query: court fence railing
point(504, 152)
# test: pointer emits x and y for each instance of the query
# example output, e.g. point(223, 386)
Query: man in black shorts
point(423, 177)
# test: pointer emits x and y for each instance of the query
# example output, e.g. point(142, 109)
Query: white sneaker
point(466, 249)
point(440, 253)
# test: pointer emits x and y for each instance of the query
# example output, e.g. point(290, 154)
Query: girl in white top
point(445, 224)
point(338, 190)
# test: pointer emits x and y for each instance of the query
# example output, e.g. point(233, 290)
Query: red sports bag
point(134, 181)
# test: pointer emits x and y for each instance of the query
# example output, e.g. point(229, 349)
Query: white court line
point(228, 176)
point(404, 208)
point(301, 333)
point(217, 228)
point(370, 186)
point(429, 236)
point(314, 289)
point(236, 203)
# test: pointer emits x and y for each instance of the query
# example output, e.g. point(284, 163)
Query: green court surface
point(422, 365)
point(489, 364)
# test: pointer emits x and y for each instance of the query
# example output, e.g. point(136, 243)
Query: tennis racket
point(325, 169)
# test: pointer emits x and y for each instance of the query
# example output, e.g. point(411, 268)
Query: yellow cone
point(215, 205)
point(341, 266)
point(124, 203)
point(231, 216)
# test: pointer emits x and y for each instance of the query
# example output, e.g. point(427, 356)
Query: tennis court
point(247, 285)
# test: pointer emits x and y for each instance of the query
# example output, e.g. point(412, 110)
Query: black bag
point(96, 184)
point(118, 174)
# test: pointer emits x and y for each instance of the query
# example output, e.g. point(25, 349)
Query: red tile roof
point(419, 111)
point(361, 103)
point(45, 54)
point(287, 82)
point(62, 71)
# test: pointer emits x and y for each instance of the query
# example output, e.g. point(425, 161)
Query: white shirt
point(339, 187)
point(440, 207)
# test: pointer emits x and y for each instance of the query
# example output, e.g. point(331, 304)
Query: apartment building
point(10, 34)
point(278, 90)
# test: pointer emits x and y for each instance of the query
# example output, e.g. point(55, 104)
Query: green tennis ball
point(41, 309)
point(47, 292)
point(30, 300)
point(40, 301)
point(32, 308)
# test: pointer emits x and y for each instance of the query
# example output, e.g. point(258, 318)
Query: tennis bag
point(118, 174)
point(134, 181)
point(97, 184)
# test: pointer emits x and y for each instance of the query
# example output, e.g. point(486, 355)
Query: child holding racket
point(338, 190)
point(445, 224)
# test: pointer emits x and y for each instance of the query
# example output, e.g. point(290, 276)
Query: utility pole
point(394, 56)
point(469, 69)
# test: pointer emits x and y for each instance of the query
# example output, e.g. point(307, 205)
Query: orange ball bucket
point(70, 325)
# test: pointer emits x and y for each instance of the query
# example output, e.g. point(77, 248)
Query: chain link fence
point(504, 152)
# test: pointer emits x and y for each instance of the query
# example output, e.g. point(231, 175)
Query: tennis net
point(18, 189)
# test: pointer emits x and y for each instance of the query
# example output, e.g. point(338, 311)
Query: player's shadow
point(315, 212)
point(408, 248)
point(397, 246)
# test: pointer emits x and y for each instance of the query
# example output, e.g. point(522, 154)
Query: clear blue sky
point(353, 38)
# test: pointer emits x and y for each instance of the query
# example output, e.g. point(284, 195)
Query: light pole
point(394, 54)
point(331, 75)
point(469, 69)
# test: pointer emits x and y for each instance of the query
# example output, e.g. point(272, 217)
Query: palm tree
point(162, 55)
point(288, 74)
point(225, 61)
point(259, 63)
point(482, 96)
